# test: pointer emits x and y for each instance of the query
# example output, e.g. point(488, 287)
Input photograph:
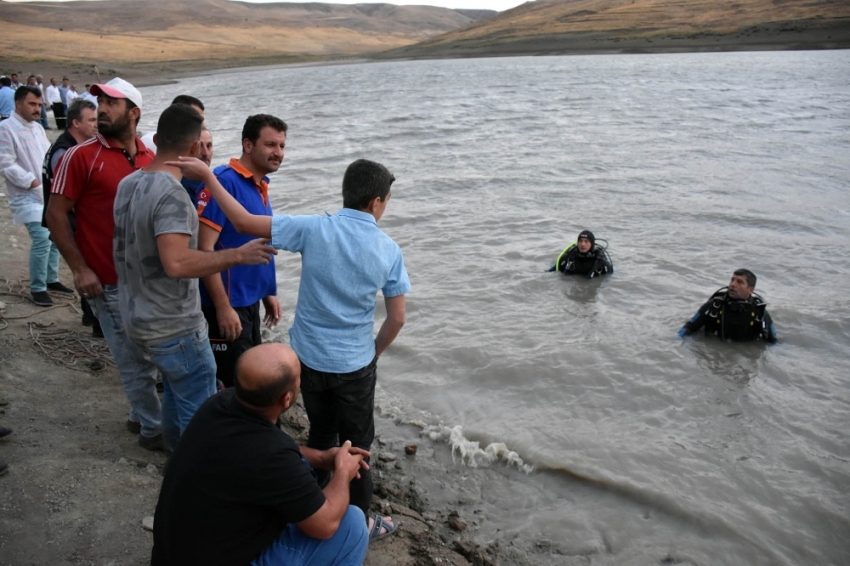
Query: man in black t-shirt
point(238, 490)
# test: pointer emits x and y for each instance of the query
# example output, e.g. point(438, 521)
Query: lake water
point(690, 166)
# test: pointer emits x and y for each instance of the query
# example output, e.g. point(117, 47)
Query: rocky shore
point(79, 486)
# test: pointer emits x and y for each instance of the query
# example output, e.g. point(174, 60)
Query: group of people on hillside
point(174, 260)
point(58, 97)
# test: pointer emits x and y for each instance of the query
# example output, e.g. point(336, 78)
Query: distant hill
point(574, 26)
point(166, 31)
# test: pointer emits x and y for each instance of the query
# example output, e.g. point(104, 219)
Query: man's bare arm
point(182, 262)
point(324, 523)
point(229, 324)
point(86, 282)
point(242, 220)
point(392, 324)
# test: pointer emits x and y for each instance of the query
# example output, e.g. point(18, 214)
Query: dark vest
point(64, 142)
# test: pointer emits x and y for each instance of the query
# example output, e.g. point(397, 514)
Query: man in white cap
point(87, 181)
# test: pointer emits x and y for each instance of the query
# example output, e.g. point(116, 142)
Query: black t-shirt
point(232, 485)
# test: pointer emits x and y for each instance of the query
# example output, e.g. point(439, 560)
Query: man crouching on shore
point(239, 490)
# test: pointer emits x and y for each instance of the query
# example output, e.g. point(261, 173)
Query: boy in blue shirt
point(346, 259)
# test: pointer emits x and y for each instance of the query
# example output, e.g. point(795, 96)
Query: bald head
point(265, 373)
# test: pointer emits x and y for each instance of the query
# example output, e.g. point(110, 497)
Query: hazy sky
point(480, 4)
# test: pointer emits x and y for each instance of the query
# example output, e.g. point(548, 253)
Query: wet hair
point(5, 81)
point(363, 181)
point(254, 124)
point(268, 394)
point(751, 277)
point(179, 125)
point(188, 101)
point(75, 109)
point(22, 92)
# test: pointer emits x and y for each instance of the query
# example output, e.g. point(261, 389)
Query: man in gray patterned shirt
point(158, 265)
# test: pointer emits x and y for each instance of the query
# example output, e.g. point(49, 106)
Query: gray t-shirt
point(154, 307)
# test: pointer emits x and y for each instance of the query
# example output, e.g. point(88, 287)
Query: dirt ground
point(78, 485)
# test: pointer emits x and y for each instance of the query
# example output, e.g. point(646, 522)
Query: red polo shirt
point(88, 175)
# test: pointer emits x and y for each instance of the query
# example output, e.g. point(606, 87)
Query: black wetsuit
point(733, 319)
point(593, 263)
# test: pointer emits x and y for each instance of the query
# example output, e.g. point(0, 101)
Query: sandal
point(379, 523)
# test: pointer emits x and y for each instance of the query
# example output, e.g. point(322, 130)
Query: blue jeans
point(188, 376)
point(138, 374)
point(44, 115)
point(44, 258)
point(347, 547)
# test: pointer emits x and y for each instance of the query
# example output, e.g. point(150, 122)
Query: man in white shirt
point(71, 96)
point(23, 145)
point(54, 99)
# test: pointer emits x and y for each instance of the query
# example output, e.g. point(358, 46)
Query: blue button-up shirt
point(345, 260)
point(7, 101)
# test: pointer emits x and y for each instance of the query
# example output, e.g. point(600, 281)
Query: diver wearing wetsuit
point(734, 313)
point(585, 257)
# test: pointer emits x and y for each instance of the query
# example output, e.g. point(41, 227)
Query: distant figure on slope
point(735, 312)
point(585, 257)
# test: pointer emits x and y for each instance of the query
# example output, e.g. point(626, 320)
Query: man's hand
point(349, 460)
point(192, 167)
point(273, 311)
point(256, 252)
point(229, 325)
point(87, 283)
point(35, 183)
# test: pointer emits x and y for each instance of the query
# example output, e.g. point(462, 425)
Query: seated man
point(734, 312)
point(585, 257)
point(238, 490)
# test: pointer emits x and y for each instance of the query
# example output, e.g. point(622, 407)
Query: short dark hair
point(179, 125)
point(255, 123)
point(22, 92)
point(267, 395)
point(5, 81)
point(75, 109)
point(188, 101)
point(363, 181)
point(751, 277)
point(14, 75)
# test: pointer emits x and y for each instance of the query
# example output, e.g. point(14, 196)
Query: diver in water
point(734, 312)
point(585, 257)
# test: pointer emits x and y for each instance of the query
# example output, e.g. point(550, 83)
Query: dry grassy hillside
point(131, 31)
point(587, 25)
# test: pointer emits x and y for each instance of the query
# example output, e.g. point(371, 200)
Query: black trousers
point(341, 406)
point(59, 115)
point(226, 353)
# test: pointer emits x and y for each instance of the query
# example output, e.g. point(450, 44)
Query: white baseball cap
point(118, 88)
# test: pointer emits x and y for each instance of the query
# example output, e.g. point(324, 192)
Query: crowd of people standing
point(165, 253)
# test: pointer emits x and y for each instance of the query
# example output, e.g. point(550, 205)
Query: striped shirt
point(88, 175)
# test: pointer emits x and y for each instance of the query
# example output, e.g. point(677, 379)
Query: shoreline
point(79, 486)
